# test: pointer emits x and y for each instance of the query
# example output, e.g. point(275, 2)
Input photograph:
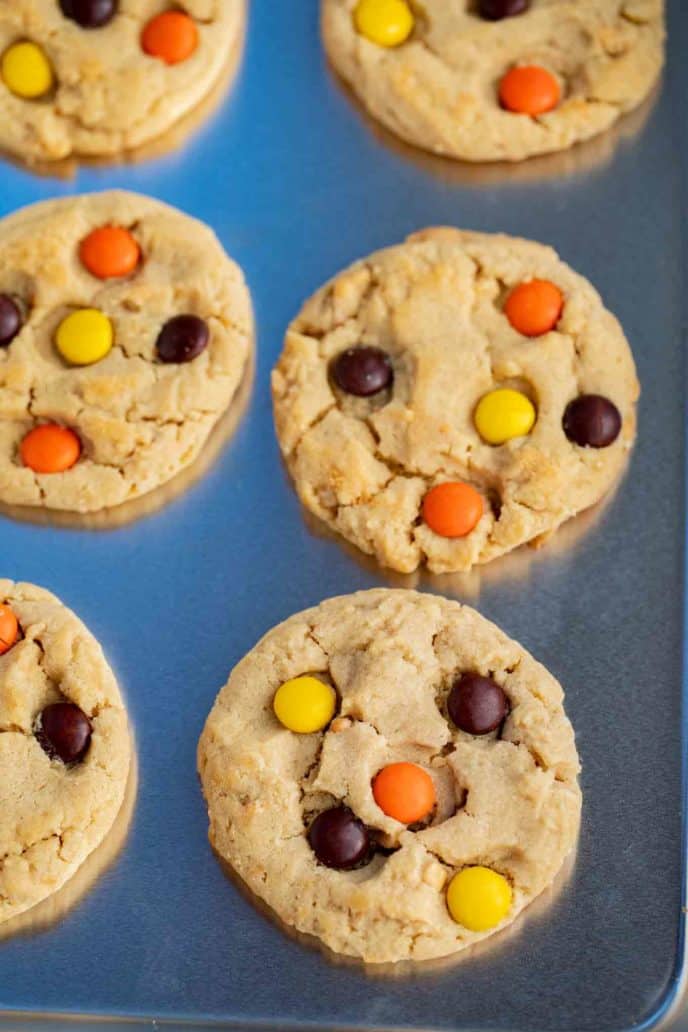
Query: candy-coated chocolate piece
point(10, 320)
point(529, 90)
point(495, 10)
point(305, 704)
point(84, 337)
point(90, 14)
point(50, 448)
point(9, 629)
point(385, 22)
point(405, 792)
point(339, 839)
point(171, 36)
point(504, 414)
point(182, 339)
point(452, 510)
point(535, 307)
point(109, 252)
point(479, 898)
point(64, 732)
point(477, 704)
point(362, 371)
point(592, 421)
point(26, 71)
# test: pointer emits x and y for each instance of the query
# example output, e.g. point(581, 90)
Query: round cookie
point(484, 813)
point(65, 746)
point(134, 333)
point(99, 77)
point(423, 400)
point(486, 87)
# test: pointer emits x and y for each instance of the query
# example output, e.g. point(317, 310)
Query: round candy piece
point(477, 704)
point(529, 90)
point(182, 339)
point(89, 14)
point(479, 898)
point(9, 629)
point(26, 71)
point(362, 371)
point(305, 704)
point(405, 792)
point(109, 252)
point(495, 10)
point(339, 839)
point(592, 421)
point(64, 732)
point(504, 414)
point(10, 320)
point(535, 307)
point(388, 23)
point(50, 448)
point(452, 510)
point(84, 337)
point(171, 36)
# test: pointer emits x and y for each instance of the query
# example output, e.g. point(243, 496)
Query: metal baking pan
point(298, 184)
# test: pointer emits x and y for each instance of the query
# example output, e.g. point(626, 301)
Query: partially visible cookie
point(392, 774)
point(125, 332)
point(490, 80)
point(65, 746)
point(449, 399)
point(99, 77)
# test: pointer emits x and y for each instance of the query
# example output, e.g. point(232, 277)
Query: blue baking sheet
point(297, 184)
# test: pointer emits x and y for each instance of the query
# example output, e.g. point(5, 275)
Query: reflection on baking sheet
point(514, 566)
point(171, 140)
point(147, 504)
point(592, 154)
point(497, 941)
point(44, 915)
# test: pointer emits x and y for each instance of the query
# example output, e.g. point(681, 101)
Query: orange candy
point(50, 448)
point(405, 792)
point(172, 36)
point(529, 90)
point(109, 252)
point(453, 509)
point(534, 308)
point(9, 629)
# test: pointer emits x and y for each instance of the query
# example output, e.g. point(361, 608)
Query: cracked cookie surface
point(108, 95)
point(140, 420)
point(54, 814)
point(509, 800)
point(440, 88)
point(435, 306)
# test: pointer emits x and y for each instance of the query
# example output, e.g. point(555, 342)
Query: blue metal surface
point(297, 186)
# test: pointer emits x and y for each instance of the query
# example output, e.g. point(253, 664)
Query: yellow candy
point(305, 704)
point(385, 22)
point(84, 337)
point(26, 71)
point(503, 414)
point(478, 898)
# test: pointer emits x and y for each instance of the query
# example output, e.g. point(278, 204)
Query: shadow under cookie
point(513, 567)
point(582, 158)
point(537, 911)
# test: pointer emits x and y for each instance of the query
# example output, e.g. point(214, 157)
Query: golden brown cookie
point(391, 774)
point(125, 331)
point(486, 80)
point(99, 77)
point(449, 399)
point(65, 746)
